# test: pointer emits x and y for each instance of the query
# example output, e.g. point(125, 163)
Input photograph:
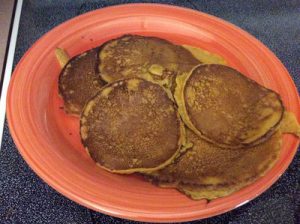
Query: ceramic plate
point(48, 139)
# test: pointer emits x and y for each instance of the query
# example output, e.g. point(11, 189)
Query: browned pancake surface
point(211, 171)
point(206, 163)
point(79, 81)
point(229, 109)
point(133, 55)
point(131, 124)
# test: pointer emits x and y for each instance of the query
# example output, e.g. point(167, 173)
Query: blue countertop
point(25, 198)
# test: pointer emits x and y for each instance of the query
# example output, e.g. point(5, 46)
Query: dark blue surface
point(25, 198)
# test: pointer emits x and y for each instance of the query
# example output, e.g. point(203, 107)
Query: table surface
point(25, 198)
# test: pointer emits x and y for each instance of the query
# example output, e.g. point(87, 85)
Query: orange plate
point(49, 141)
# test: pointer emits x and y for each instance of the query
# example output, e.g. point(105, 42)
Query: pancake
point(289, 124)
point(132, 125)
point(226, 108)
point(62, 57)
point(151, 58)
point(204, 56)
point(208, 171)
point(78, 80)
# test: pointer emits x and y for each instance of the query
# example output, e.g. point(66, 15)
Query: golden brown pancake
point(289, 124)
point(225, 107)
point(204, 56)
point(208, 171)
point(151, 58)
point(79, 81)
point(132, 125)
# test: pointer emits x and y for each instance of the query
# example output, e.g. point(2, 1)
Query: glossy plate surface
point(49, 140)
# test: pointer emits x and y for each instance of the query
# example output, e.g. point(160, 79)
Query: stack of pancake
point(176, 114)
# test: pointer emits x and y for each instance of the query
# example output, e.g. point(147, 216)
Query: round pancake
point(132, 125)
point(225, 107)
point(79, 81)
point(151, 58)
point(208, 171)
